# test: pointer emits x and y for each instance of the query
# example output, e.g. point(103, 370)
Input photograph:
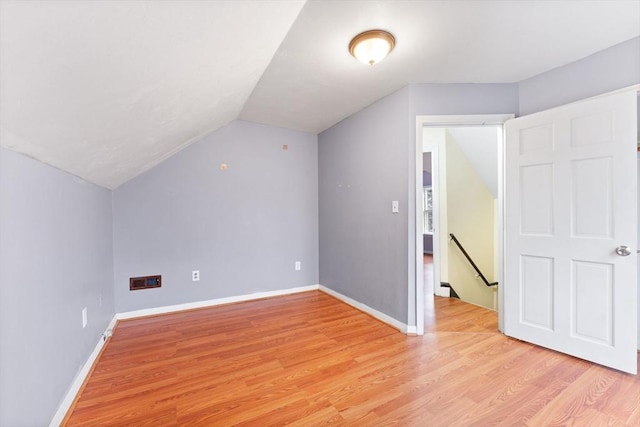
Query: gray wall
point(363, 168)
point(368, 160)
point(437, 99)
point(55, 258)
point(610, 69)
point(243, 227)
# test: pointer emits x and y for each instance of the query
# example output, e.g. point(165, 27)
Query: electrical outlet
point(298, 265)
point(195, 275)
point(84, 317)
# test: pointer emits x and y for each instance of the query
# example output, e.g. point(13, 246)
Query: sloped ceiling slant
point(105, 90)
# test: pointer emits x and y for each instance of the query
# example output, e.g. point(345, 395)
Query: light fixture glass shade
point(372, 46)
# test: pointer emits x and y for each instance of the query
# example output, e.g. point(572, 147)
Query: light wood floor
point(309, 359)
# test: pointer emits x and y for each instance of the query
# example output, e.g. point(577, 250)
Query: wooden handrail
point(475, 267)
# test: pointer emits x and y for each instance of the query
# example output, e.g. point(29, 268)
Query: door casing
point(444, 121)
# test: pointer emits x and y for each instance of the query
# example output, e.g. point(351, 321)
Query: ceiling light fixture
point(372, 46)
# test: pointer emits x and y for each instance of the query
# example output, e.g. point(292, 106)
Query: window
point(427, 210)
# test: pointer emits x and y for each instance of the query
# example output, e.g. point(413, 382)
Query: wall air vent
point(145, 282)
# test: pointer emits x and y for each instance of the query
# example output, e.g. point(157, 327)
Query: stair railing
point(475, 267)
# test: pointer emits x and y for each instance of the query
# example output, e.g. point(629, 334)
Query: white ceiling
point(108, 89)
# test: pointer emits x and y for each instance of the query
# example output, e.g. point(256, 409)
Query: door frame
point(437, 152)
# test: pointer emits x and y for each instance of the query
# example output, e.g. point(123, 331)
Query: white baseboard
point(212, 302)
point(79, 379)
point(258, 295)
point(403, 327)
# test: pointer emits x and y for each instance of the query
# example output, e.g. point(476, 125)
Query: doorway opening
point(458, 190)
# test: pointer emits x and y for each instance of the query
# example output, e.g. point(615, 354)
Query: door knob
point(623, 250)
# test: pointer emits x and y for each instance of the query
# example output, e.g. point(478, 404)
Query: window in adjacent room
point(427, 225)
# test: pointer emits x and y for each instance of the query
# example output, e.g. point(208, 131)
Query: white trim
point(439, 197)
point(212, 302)
point(371, 311)
point(259, 295)
point(464, 120)
point(501, 234)
point(437, 170)
point(418, 292)
point(79, 379)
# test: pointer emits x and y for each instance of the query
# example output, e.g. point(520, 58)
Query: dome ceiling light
point(372, 46)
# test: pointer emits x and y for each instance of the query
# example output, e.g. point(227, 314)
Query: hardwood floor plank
point(310, 360)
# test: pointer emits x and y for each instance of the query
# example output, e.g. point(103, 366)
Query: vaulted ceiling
point(107, 89)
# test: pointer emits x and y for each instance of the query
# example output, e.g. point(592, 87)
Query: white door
point(570, 202)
